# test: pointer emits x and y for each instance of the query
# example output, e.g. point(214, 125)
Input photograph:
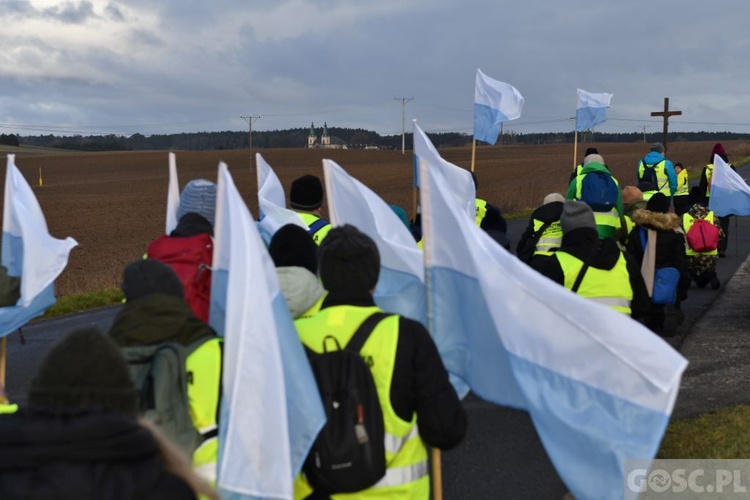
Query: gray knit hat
point(553, 197)
point(593, 158)
point(84, 371)
point(198, 196)
point(148, 277)
point(348, 260)
point(575, 215)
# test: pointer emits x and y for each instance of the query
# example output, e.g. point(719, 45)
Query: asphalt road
point(501, 457)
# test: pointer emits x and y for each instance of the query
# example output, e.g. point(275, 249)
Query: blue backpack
point(666, 280)
point(599, 191)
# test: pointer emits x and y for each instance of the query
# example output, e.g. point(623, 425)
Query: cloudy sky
point(166, 66)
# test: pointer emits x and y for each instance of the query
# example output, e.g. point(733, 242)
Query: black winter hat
point(306, 193)
point(658, 203)
point(148, 276)
point(84, 371)
point(293, 246)
point(348, 260)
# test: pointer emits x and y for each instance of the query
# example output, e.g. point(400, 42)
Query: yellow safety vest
point(708, 174)
point(203, 366)
point(321, 233)
point(607, 223)
point(662, 180)
point(407, 474)
point(7, 408)
point(683, 187)
point(551, 237)
point(607, 287)
point(687, 223)
point(481, 210)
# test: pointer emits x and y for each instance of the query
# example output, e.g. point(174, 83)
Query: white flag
point(272, 202)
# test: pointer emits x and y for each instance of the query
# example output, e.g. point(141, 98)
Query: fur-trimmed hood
point(656, 220)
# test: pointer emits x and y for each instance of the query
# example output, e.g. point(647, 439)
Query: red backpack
point(703, 236)
point(191, 258)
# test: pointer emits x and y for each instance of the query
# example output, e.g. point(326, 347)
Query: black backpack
point(649, 174)
point(349, 453)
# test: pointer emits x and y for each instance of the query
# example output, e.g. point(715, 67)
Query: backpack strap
point(365, 329)
point(584, 268)
point(316, 226)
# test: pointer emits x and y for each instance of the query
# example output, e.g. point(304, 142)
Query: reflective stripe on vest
point(550, 238)
point(481, 211)
point(406, 454)
point(309, 219)
point(608, 287)
point(687, 223)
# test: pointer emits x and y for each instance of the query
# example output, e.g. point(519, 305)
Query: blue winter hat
point(198, 196)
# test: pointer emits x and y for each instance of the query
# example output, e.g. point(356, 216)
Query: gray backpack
point(161, 379)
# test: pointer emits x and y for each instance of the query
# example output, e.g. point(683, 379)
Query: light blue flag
point(272, 202)
point(271, 407)
point(401, 287)
point(464, 191)
point(28, 251)
point(591, 109)
point(173, 195)
point(730, 194)
point(599, 386)
point(495, 102)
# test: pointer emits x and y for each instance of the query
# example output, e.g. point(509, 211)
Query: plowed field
point(113, 204)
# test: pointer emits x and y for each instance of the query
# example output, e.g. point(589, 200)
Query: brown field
point(113, 204)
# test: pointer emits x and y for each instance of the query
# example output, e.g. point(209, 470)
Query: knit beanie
point(591, 151)
point(594, 158)
point(291, 245)
point(84, 371)
point(657, 147)
point(147, 277)
point(348, 260)
point(718, 149)
point(553, 197)
point(658, 203)
point(306, 193)
point(198, 196)
point(575, 215)
point(631, 194)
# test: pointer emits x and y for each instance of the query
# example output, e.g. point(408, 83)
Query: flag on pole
point(272, 202)
point(28, 251)
point(271, 408)
point(495, 102)
point(173, 195)
point(599, 386)
point(591, 109)
point(730, 194)
point(400, 288)
point(464, 190)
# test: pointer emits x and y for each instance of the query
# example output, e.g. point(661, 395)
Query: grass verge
point(70, 304)
point(723, 433)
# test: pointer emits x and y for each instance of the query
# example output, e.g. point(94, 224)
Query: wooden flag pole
point(575, 149)
point(437, 475)
point(414, 191)
point(3, 353)
point(473, 152)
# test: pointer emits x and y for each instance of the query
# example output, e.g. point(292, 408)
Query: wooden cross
point(666, 114)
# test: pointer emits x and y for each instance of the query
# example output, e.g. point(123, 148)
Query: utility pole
point(644, 133)
point(250, 119)
point(403, 101)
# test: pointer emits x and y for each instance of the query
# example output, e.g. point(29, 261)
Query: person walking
point(412, 383)
point(593, 268)
point(543, 233)
point(79, 437)
point(701, 265)
point(680, 200)
point(306, 198)
point(598, 188)
point(656, 169)
point(632, 200)
point(669, 244)
point(155, 314)
point(705, 184)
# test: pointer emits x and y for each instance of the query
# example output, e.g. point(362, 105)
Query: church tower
point(311, 137)
point(325, 139)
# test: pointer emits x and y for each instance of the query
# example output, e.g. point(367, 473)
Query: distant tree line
point(354, 138)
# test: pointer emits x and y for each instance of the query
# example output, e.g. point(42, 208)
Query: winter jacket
point(544, 214)
point(607, 223)
point(82, 456)
point(301, 288)
point(579, 243)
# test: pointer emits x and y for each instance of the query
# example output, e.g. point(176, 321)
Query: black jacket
point(420, 382)
point(579, 243)
point(82, 456)
point(192, 224)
